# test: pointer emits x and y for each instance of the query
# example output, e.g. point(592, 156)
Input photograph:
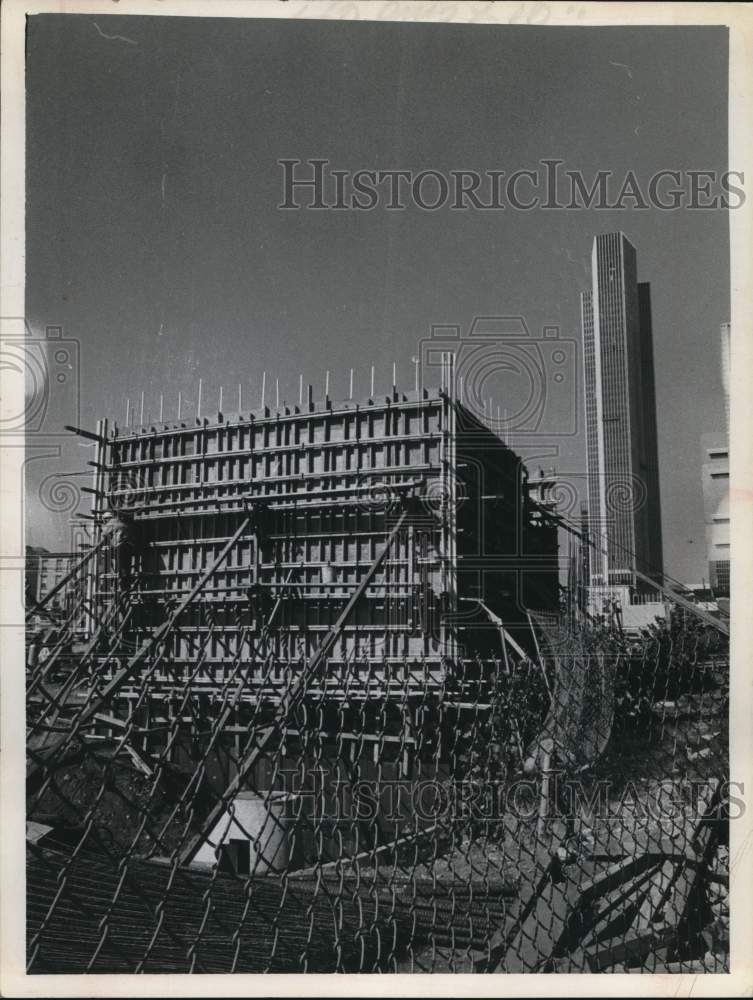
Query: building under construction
point(406, 507)
point(347, 545)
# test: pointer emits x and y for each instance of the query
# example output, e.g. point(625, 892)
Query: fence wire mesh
point(566, 811)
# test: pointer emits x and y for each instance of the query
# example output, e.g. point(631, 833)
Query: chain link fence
point(558, 813)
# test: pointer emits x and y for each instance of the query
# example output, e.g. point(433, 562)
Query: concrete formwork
point(324, 484)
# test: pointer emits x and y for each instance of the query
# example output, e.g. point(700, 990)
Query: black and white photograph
point(373, 377)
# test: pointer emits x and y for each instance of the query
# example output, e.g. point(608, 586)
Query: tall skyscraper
point(623, 477)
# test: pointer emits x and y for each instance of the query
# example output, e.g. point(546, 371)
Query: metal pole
point(545, 792)
point(198, 404)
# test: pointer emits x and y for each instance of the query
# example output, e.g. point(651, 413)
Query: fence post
point(545, 790)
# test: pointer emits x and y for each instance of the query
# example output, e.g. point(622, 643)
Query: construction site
point(319, 702)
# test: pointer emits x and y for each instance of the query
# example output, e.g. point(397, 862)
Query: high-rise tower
point(623, 478)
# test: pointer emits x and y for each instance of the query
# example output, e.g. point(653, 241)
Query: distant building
point(715, 480)
point(715, 484)
point(725, 331)
point(624, 514)
point(44, 571)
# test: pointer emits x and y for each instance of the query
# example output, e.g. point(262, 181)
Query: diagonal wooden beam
point(66, 579)
point(85, 434)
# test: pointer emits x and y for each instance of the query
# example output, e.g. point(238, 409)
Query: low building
point(44, 572)
point(715, 482)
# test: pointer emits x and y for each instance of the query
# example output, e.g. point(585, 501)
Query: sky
point(155, 242)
